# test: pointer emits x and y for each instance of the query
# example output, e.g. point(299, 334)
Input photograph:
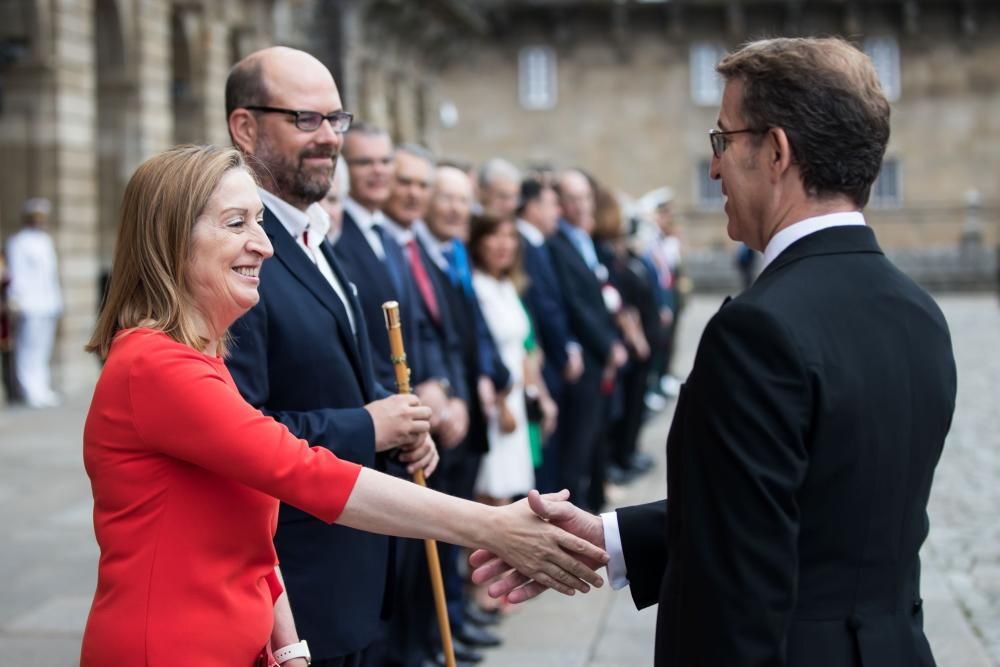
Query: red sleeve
point(186, 406)
point(275, 585)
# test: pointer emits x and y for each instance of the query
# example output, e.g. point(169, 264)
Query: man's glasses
point(309, 121)
point(719, 141)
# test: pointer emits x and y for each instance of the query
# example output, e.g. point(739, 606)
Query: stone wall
point(625, 109)
point(92, 94)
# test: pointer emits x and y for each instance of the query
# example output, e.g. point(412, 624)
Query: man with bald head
point(302, 353)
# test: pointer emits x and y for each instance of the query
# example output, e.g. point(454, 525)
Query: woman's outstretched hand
point(542, 542)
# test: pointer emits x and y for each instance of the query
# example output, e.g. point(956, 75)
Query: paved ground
point(48, 557)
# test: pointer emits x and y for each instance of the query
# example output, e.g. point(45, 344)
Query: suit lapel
point(351, 292)
point(830, 241)
point(288, 252)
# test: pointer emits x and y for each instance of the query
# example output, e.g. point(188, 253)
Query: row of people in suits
point(314, 354)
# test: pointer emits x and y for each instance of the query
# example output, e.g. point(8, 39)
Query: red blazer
point(186, 479)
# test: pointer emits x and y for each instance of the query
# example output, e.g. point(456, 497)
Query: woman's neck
point(206, 332)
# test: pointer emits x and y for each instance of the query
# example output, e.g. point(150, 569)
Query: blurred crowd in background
point(540, 329)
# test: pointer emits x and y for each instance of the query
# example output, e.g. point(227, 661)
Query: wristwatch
point(297, 650)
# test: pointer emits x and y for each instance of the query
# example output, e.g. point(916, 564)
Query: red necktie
point(423, 280)
point(305, 242)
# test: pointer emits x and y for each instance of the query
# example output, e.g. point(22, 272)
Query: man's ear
point(243, 130)
point(779, 151)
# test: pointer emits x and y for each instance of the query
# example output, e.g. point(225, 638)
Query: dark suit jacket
point(589, 320)
point(375, 286)
point(545, 303)
point(800, 462)
point(294, 357)
point(462, 309)
point(446, 335)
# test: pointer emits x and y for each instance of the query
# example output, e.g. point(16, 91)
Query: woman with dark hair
point(186, 475)
point(507, 470)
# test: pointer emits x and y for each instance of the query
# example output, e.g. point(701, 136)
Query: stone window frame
point(708, 192)
point(537, 78)
point(884, 53)
point(706, 84)
point(887, 190)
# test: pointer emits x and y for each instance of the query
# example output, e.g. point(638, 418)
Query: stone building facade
point(91, 88)
point(627, 91)
point(624, 88)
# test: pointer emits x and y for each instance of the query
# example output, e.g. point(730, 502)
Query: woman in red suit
point(186, 475)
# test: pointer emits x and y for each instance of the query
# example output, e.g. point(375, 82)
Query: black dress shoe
point(465, 653)
point(619, 476)
point(438, 661)
point(473, 635)
point(481, 617)
point(642, 462)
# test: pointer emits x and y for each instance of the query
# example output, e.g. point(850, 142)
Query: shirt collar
point(295, 221)
point(366, 219)
point(435, 248)
point(530, 232)
point(789, 235)
point(401, 234)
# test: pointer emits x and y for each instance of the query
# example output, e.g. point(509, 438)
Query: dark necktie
point(393, 260)
point(423, 280)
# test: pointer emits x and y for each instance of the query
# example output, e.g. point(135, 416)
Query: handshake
point(569, 568)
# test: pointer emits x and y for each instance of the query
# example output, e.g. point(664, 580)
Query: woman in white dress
point(494, 246)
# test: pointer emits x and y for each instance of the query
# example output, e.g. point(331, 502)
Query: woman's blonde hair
point(148, 284)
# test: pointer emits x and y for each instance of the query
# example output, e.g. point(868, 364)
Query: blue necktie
point(458, 266)
point(394, 261)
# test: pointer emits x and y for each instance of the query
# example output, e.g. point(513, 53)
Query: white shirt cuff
point(617, 574)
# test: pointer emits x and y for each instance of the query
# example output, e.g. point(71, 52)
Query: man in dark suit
point(412, 633)
point(585, 402)
point(302, 356)
point(538, 218)
point(447, 224)
point(378, 266)
point(804, 443)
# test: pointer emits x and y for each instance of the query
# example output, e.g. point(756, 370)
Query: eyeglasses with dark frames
point(718, 138)
point(309, 121)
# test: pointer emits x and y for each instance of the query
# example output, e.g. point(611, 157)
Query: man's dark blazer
point(589, 320)
point(295, 358)
point(544, 300)
point(583, 409)
point(446, 335)
point(800, 462)
point(375, 286)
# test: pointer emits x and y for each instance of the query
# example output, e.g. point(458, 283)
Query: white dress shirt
point(789, 235)
point(617, 574)
point(435, 247)
point(366, 222)
point(530, 232)
point(317, 222)
point(403, 235)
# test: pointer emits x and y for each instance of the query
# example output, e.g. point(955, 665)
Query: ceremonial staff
point(392, 323)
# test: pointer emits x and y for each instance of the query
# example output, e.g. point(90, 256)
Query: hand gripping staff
point(392, 323)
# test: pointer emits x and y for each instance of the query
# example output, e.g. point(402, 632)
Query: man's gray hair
point(418, 151)
point(498, 169)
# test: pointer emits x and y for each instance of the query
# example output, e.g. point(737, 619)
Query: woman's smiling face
point(228, 247)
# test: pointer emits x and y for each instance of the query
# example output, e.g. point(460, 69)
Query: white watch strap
point(297, 650)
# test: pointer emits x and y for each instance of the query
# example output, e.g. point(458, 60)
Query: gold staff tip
point(390, 309)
